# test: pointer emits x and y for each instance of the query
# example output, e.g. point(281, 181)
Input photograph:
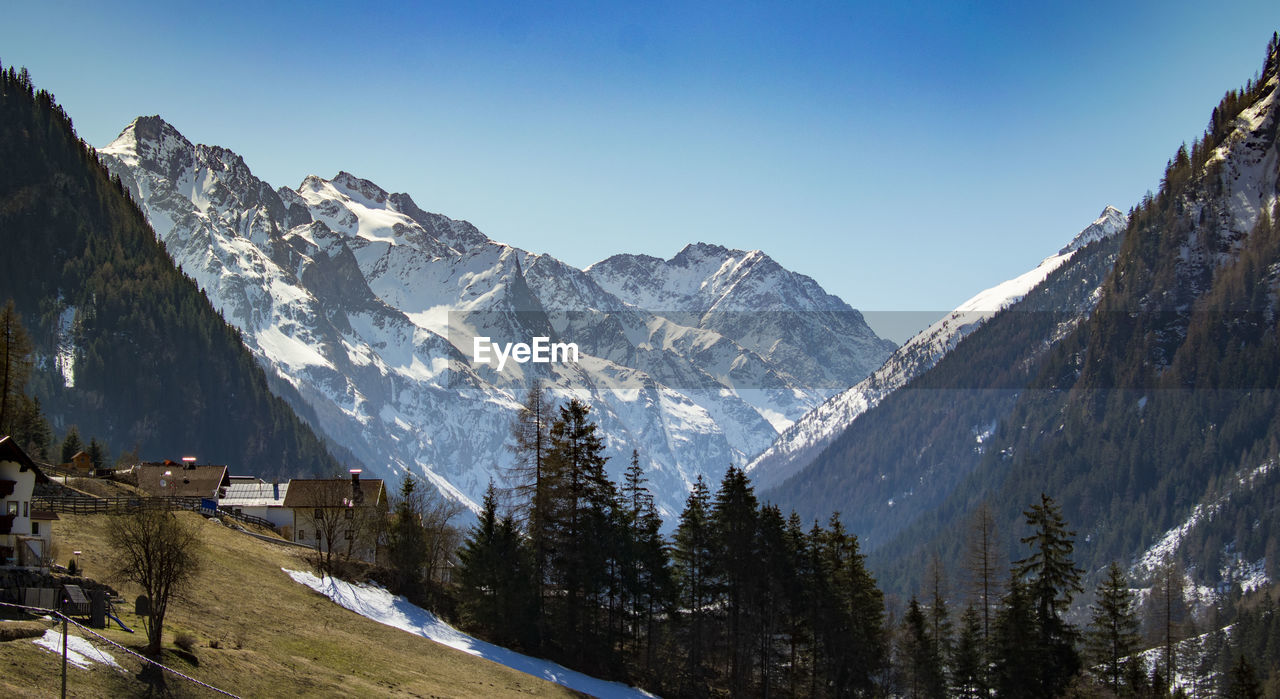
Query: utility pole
point(64, 655)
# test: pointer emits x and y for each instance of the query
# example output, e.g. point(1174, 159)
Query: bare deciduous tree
point(161, 553)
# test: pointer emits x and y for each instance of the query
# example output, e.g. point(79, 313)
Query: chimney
point(357, 494)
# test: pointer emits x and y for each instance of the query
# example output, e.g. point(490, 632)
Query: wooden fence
point(87, 505)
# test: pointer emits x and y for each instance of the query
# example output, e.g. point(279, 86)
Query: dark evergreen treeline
point(742, 601)
point(153, 367)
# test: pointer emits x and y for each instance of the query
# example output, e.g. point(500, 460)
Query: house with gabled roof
point(252, 496)
point(182, 480)
point(26, 536)
point(337, 515)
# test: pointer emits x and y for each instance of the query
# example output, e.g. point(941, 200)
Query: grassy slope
point(274, 636)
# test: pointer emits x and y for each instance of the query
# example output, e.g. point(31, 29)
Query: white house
point(259, 499)
point(26, 536)
point(336, 514)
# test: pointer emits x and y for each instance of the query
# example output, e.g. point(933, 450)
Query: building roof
point(10, 451)
point(334, 492)
point(203, 480)
point(44, 515)
point(240, 494)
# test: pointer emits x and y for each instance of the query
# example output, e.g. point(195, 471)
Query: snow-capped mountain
point(796, 447)
point(368, 307)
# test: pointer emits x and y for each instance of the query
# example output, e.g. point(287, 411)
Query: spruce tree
point(407, 548)
point(31, 429)
point(939, 615)
point(1242, 681)
point(1052, 582)
point(97, 454)
point(494, 591)
point(924, 667)
point(1113, 628)
point(968, 664)
point(71, 444)
point(581, 533)
point(1017, 657)
point(735, 530)
point(693, 562)
point(771, 608)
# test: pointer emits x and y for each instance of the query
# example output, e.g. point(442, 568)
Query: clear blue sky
point(906, 155)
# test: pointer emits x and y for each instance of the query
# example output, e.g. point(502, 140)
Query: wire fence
point(123, 649)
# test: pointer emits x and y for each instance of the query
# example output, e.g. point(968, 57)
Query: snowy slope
point(799, 444)
point(366, 305)
point(393, 610)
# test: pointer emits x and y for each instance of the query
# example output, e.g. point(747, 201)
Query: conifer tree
point(735, 528)
point(408, 544)
point(796, 589)
point(31, 429)
point(580, 530)
point(1113, 628)
point(646, 577)
point(1052, 581)
point(71, 444)
point(772, 608)
point(850, 622)
point(939, 615)
point(968, 665)
point(693, 561)
point(97, 454)
point(494, 589)
point(1017, 661)
point(1242, 681)
point(924, 667)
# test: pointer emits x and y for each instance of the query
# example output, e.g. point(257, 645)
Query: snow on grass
point(393, 610)
point(80, 652)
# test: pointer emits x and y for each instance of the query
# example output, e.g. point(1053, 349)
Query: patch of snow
point(65, 360)
point(383, 607)
point(80, 652)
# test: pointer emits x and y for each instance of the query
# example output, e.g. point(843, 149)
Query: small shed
point(81, 463)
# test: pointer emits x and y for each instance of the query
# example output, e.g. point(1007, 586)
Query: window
point(35, 528)
point(317, 513)
point(26, 508)
point(350, 513)
point(11, 508)
point(302, 535)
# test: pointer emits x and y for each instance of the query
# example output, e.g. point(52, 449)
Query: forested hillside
point(1158, 402)
point(125, 346)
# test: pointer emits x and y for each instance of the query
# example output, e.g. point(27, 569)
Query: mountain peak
point(1110, 222)
point(147, 136)
point(359, 188)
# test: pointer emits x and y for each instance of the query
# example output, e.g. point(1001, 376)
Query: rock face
point(368, 308)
